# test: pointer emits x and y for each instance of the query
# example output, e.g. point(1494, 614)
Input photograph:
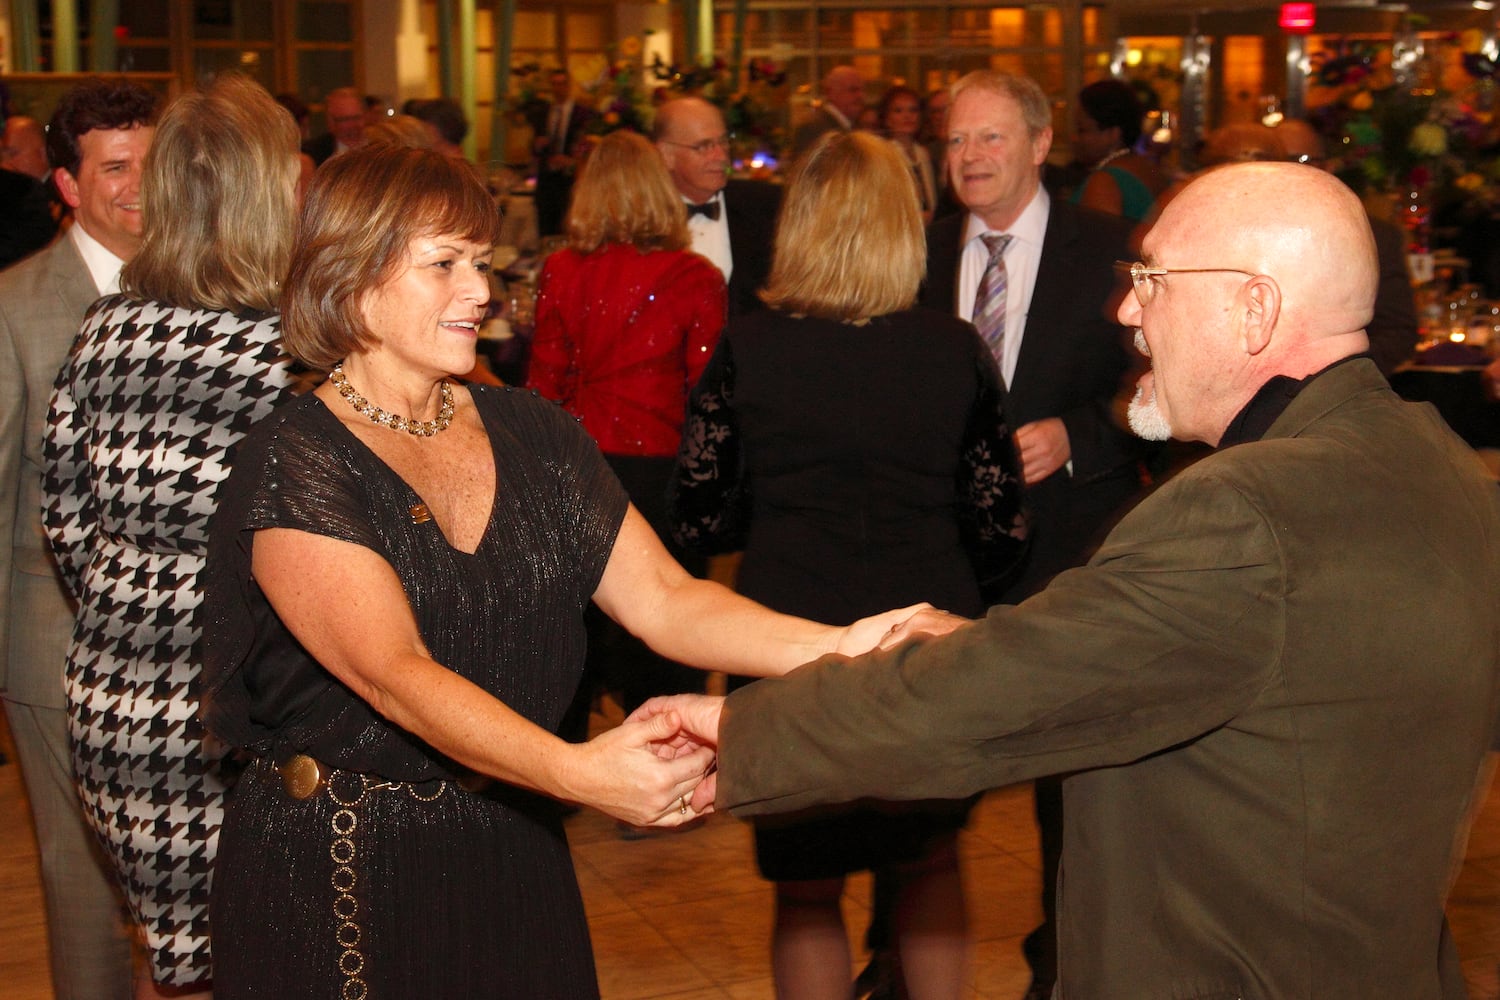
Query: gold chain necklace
point(420, 428)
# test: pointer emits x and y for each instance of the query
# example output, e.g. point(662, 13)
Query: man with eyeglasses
point(732, 222)
point(1273, 687)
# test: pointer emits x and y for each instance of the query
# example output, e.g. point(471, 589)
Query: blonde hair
point(400, 130)
point(625, 195)
point(849, 240)
point(219, 197)
point(363, 209)
point(1036, 110)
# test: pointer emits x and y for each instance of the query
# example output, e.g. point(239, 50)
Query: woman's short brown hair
point(625, 195)
point(363, 209)
point(219, 197)
point(849, 240)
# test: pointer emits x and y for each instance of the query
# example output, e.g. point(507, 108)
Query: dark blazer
point(1393, 329)
point(25, 204)
point(321, 147)
point(751, 208)
point(820, 124)
point(554, 188)
point(1075, 364)
point(1270, 751)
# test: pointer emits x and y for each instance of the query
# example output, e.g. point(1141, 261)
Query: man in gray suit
point(96, 141)
point(1272, 745)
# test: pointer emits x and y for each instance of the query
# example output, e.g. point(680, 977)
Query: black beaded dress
point(424, 889)
point(861, 467)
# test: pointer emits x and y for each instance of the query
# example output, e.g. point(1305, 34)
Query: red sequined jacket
point(621, 338)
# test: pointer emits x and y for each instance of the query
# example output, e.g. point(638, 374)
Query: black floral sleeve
point(992, 513)
point(709, 496)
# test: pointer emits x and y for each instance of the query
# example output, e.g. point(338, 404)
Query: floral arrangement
point(615, 90)
point(755, 111)
point(1403, 131)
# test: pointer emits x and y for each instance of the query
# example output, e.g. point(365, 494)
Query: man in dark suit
point(1271, 757)
point(733, 222)
point(555, 146)
point(97, 142)
point(1065, 363)
point(843, 92)
point(345, 112)
point(1063, 360)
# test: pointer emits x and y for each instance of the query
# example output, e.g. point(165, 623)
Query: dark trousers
point(617, 661)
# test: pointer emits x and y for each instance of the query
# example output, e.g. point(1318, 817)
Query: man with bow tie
point(732, 222)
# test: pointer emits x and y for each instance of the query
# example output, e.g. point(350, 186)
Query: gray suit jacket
point(43, 300)
point(1275, 681)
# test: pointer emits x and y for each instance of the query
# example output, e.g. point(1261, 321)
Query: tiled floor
point(683, 916)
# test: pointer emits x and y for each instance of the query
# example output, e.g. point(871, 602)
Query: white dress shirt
point(711, 236)
point(1022, 259)
point(104, 266)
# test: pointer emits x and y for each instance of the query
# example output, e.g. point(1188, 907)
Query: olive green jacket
point(1276, 682)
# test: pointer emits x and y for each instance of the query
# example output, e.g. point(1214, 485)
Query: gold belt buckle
point(302, 777)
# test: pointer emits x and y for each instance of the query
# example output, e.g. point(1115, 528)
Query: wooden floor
point(684, 916)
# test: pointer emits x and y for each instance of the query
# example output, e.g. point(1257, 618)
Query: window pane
point(323, 22)
point(145, 18)
point(229, 21)
point(836, 29)
point(258, 64)
point(319, 71)
point(588, 30)
point(145, 59)
point(536, 30)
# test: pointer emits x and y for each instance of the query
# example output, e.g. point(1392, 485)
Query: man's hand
point(697, 727)
point(1044, 448)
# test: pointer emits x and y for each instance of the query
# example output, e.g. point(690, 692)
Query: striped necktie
point(989, 301)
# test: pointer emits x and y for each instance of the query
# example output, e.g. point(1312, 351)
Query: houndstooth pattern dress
point(145, 416)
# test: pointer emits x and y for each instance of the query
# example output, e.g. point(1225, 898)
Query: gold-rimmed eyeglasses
point(1141, 274)
point(705, 146)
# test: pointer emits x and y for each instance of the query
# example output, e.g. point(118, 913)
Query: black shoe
point(882, 979)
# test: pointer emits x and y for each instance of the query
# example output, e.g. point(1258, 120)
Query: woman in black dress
point(396, 584)
point(856, 448)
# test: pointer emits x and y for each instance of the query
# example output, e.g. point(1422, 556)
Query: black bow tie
point(709, 209)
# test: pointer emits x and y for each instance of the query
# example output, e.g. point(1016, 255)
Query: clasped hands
point(682, 730)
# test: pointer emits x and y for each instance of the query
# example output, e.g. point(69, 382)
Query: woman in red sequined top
point(626, 320)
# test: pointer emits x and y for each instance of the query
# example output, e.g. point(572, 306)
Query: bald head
point(1271, 270)
point(692, 139)
point(844, 88)
point(1297, 224)
point(24, 147)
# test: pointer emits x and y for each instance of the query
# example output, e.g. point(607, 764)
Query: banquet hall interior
point(684, 915)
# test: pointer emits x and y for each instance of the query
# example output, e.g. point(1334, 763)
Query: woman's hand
point(928, 621)
point(870, 633)
point(643, 772)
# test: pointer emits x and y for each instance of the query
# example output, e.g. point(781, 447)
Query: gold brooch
point(420, 514)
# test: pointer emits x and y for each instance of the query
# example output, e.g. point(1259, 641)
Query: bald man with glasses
point(1270, 750)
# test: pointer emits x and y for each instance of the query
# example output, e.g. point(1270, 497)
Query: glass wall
point(923, 46)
